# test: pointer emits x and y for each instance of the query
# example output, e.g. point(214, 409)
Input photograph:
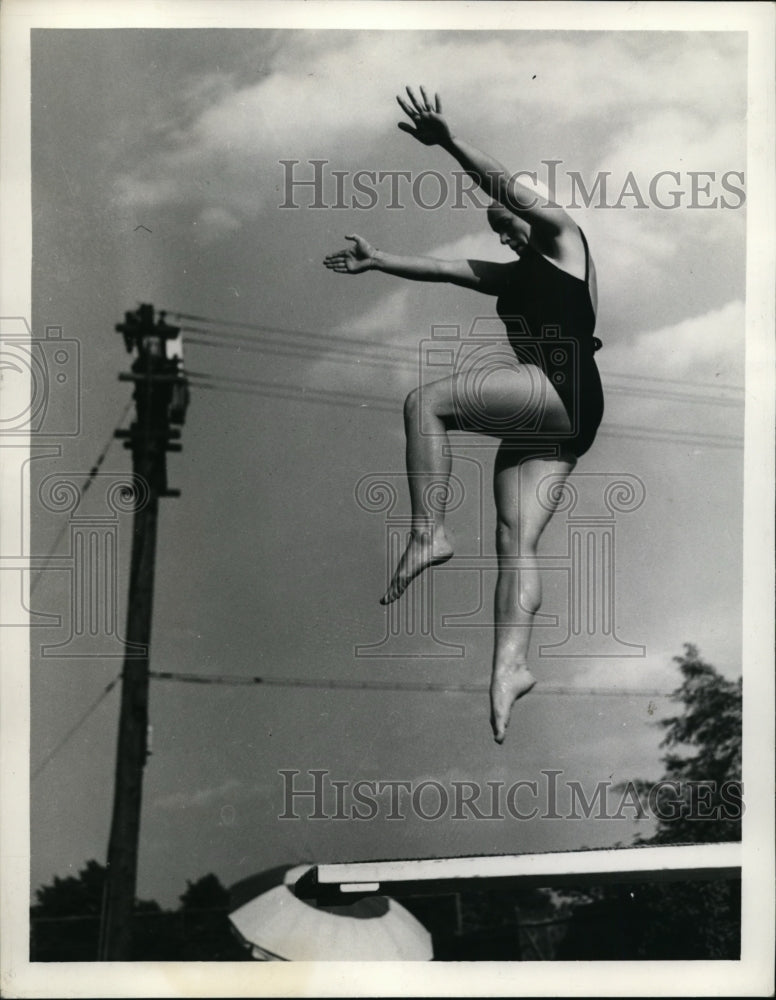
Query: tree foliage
point(66, 922)
point(703, 757)
point(710, 722)
point(680, 920)
point(206, 893)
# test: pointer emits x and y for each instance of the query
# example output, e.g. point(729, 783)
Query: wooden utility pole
point(161, 395)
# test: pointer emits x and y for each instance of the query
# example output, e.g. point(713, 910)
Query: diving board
point(439, 875)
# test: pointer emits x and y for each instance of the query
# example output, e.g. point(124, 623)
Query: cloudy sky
point(157, 178)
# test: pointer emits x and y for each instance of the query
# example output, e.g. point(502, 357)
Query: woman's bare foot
point(424, 549)
point(508, 683)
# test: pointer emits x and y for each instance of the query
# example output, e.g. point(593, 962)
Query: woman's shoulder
point(517, 280)
point(513, 270)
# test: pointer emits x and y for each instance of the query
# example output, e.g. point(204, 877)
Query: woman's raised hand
point(352, 260)
point(428, 125)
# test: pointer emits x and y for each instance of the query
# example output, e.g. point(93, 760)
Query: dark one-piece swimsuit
point(550, 321)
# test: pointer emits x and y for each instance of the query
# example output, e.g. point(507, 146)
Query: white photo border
point(753, 974)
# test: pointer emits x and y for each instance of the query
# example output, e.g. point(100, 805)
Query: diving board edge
point(674, 862)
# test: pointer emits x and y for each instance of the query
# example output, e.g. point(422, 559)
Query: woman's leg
point(427, 413)
point(488, 402)
point(522, 517)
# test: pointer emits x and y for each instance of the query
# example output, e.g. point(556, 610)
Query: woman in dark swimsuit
point(545, 404)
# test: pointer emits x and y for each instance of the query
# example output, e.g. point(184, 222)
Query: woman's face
point(512, 231)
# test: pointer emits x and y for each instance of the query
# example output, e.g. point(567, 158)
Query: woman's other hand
point(428, 125)
point(352, 260)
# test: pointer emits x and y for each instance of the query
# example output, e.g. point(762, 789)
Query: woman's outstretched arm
point(483, 276)
point(430, 127)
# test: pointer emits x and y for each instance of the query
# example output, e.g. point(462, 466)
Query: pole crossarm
point(432, 876)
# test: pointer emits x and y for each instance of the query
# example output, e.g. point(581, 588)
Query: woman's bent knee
point(412, 404)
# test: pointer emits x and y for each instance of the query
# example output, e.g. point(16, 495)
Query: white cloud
point(626, 247)
point(653, 672)
point(676, 140)
point(228, 791)
point(704, 348)
point(333, 95)
point(389, 313)
point(214, 222)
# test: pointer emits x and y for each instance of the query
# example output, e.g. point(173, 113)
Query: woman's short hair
point(495, 209)
point(537, 187)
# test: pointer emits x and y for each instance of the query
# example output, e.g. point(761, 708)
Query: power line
point(319, 341)
point(302, 340)
point(226, 680)
point(213, 328)
point(679, 397)
point(671, 437)
point(359, 359)
point(355, 347)
point(87, 483)
point(74, 729)
point(727, 386)
point(234, 680)
point(260, 387)
point(301, 395)
point(296, 350)
point(317, 336)
point(257, 387)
